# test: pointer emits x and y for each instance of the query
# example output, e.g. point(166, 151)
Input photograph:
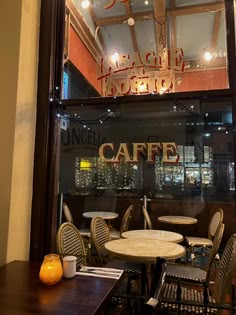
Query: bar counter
point(21, 292)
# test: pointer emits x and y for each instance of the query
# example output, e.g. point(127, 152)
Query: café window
point(172, 149)
point(141, 47)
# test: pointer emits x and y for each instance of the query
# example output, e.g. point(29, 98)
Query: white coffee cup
point(69, 266)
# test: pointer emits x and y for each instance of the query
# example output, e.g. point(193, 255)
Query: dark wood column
point(47, 141)
point(231, 53)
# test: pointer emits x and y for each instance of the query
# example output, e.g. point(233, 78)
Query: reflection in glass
point(202, 133)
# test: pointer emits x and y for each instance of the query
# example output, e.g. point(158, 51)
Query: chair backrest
point(216, 219)
point(67, 213)
point(227, 271)
point(124, 226)
point(214, 249)
point(147, 218)
point(100, 234)
point(70, 242)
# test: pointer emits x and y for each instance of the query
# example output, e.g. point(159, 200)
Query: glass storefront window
point(142, 47)
point(175, 149)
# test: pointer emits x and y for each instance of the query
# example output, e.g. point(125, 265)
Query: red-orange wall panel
point(82, 59)
point(203, 80)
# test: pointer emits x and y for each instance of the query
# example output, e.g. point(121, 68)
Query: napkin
point(100, 272)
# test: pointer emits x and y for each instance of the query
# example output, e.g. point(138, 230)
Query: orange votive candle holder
point(51, 269)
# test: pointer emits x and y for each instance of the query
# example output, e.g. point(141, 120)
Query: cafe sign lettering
point(111, 153)
point(144, 73)
point(111, 3)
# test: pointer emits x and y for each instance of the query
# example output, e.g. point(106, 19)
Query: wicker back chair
point(67, 213)
point(216, 219)
point(85, 233)
point(181, 298)
point(70, 242)
point(194, 274)
point(147, 218)
point(126, 219)
point(227, 271)
point(100, 234)
point(124, 226)
point(194, 242)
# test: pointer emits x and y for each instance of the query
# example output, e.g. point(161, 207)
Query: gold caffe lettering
point(167, 150)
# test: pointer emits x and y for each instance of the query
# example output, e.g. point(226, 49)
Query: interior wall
point(19, 31)
point(203, 80)
point(82, 59)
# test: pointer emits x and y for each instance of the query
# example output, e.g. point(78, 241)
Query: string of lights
point(76, 118)
point(111, 109)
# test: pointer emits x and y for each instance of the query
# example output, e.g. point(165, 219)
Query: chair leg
point(190, 253)
point(144, 281)
point(89, 249)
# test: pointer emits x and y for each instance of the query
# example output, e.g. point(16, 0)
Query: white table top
point(177, 219)
point(144, 250)
point(106, 215)
point(154, 234)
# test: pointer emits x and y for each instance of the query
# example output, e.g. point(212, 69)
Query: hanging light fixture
point(85, 4)
point(208, 56)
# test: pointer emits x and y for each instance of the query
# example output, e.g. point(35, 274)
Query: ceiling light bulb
point(85, 4)
point(141, 87)
point(208, 56)
point(146, 2)
point(115, 57)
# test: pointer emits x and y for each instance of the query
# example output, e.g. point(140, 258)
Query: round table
point(177, 219)
point(154, 234)
point(106, 215)
point(144, 250)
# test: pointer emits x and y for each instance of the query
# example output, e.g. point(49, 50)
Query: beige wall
point(19, 32)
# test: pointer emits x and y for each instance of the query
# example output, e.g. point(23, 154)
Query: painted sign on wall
point(140, 73)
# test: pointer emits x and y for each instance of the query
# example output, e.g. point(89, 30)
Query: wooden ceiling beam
point(194, 9)
point(173, 41)
point(216, 30)
point(131, 28)
point(159, 9)
point(140, 16)
point(147, 15)
point(173, 31)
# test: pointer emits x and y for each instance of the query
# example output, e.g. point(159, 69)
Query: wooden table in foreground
point(154, 234)
point(21, 292)
point(177, 219)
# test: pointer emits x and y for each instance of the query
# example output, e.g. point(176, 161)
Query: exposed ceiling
point(127, 26)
